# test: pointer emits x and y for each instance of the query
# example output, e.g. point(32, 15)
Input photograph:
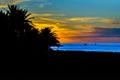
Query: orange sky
point(75, 20)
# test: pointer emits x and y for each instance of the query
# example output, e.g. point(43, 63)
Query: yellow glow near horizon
point(65, 35)
point(61, 32)
point(72, 30)
point(75, 20)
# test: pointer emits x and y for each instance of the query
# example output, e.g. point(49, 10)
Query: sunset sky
point(75, 20)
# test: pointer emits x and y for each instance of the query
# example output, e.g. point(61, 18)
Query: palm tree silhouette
point(21, 32)
point(48, 38)
point(19, 18)
point(20, 24)
point(4, 29)
point(21, 38)
point(3, 20)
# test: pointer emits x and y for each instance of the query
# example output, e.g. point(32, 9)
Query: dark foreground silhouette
point(25, 52)
point(58, 64)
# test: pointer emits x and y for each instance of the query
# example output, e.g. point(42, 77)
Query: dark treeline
point(18, 31)
point(21, 43)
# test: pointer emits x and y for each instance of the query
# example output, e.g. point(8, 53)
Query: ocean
point(98, 47)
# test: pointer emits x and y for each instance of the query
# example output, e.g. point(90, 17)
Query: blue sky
point(76, 7)
point(75, 20)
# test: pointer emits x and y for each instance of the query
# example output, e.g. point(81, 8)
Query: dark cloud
point(107, 32)
point(111, 21)
point(101, 32)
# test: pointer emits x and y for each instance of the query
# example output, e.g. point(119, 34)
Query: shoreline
point(86, 51)
point(89, 47)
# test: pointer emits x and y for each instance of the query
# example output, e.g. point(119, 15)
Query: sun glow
point(67, 35)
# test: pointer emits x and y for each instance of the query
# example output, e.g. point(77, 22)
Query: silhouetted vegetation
point(19, 32)
point(21, 43)
point(24, 51)
point(49, 38)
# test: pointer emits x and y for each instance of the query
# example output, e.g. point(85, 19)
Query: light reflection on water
point(105, 47)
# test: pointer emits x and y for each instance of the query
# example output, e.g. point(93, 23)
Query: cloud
point(47, 18)
point(95, 19)
point(107, 32)
point(77, 32)
point(4, 3)
point(94, 39)
point(47, 15)
point(97, 35)
point(100, 32)
point(111, 21)
point(84, 19)
point(42, 5)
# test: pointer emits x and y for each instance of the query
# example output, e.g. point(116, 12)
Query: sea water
point(98, 47)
